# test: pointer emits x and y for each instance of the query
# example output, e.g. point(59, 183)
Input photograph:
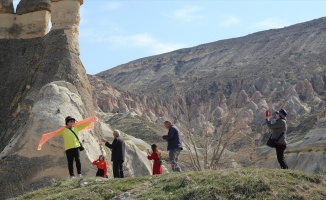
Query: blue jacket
point(174, 138)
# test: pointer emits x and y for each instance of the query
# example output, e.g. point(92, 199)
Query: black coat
point(118, 149)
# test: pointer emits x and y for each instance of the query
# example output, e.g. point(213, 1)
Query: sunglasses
point(72, 121)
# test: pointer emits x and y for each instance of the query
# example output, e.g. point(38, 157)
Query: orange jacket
point(101, 165)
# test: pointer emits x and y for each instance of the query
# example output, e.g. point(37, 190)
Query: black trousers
point(118, 169)
point(71, 155)
point(100, 172)
point(280, 156)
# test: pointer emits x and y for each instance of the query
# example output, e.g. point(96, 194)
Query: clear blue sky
point(116, 32)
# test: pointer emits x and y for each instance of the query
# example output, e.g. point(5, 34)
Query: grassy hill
point(220, 184)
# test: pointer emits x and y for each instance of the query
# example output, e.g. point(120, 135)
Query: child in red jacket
point(102, 167)
point(155, 155)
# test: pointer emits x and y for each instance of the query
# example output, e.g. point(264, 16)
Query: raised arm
point(113, 145)
point(87, 123)
point(45, 137)
point(94, 162)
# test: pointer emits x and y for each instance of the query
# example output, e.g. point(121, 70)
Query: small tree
point(214, 143)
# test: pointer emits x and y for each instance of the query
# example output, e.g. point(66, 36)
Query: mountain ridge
point(278, 68)
point(113, 74)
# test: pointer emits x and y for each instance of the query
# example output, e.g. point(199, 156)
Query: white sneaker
point(72, 177)
point(79, 175)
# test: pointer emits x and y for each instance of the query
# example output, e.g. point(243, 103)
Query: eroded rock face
point(27, 6)
point(44, 81)
point(66, 15)
point(6, 6)
point(200, 85)
point(27, 66)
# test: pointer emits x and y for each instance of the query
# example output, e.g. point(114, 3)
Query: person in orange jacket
point(102, 167)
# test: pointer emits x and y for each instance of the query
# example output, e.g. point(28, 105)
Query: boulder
point(28, 6)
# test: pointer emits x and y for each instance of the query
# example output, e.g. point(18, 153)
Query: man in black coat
point(174, 145)
point(118, 153)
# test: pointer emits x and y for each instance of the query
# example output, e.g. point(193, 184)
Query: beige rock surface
point(66, 15)
point(29, 25)
point(56, 100)
point(33, 17)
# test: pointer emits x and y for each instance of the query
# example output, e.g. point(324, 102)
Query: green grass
point(246, 183)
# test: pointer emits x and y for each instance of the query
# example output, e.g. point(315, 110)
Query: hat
point(69, 118)
point(282, 113)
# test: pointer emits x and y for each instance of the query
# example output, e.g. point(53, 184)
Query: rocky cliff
point(279, 68)
point(42, 81)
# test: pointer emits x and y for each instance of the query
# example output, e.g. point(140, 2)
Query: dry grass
point(246, 183)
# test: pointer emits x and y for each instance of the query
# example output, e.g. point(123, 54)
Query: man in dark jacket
point(118, 153)
point(174, 145)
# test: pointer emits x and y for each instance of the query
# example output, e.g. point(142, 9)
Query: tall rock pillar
point(66, 15)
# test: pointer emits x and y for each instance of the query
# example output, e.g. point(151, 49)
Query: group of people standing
point(174, 145)
point(73, 147)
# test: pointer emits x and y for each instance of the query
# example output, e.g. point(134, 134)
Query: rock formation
point(42, 81)
point(29, 6)
point(32, 18)
point(279, 68)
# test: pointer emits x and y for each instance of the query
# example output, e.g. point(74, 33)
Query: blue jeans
point(174, 156)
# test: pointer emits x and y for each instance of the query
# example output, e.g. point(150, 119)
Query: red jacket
point(157, 169)
point(101, 165)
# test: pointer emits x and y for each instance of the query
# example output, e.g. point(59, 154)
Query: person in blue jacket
point(174, 145)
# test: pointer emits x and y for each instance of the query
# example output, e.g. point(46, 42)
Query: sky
point(114, 32)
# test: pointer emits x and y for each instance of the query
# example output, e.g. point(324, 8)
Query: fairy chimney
point(32, 18)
